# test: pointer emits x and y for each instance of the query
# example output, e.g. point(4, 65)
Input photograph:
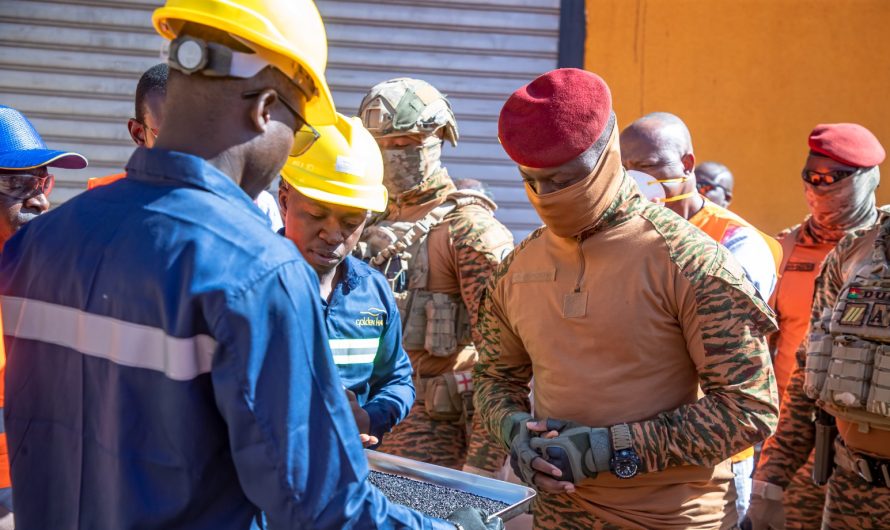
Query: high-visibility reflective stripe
point(118, 341)
point(354, 351)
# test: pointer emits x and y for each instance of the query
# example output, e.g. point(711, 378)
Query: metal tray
point(518, 497)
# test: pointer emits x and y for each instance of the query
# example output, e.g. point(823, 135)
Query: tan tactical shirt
point(464, 249)
point(666, 334)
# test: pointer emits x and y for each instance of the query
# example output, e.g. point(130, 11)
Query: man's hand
point(362, 420)
point(766, 511)
point(475, 519)
point(578, 452)
point(526, 461)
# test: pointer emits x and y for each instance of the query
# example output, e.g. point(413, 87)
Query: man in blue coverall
point(167, 360)
point(326, 196)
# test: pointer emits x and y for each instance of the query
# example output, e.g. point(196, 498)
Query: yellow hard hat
point(343, 167)
point(288, 34)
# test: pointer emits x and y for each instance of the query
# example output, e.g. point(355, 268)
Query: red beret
point(847, 143)
point(554, 118)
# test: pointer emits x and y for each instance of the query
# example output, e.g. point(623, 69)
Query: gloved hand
point(766, 510)
point(578, 451)
point(515, 430)
point(475, 519)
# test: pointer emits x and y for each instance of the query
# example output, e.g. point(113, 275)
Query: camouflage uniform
point(709, 338)
point(803, 253)
point(850, 502)
point(461, 249)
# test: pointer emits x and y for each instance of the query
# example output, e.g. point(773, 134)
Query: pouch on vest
point(442, 398)
point(442, 325)
point(849, 373)
point(818, 358)
point(879, 394)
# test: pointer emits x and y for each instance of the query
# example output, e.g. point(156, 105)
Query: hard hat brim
point(375, 205)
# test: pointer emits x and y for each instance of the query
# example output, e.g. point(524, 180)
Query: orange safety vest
point(715, 221)
point(5, 482)
point(104, 181)
point(793, 301)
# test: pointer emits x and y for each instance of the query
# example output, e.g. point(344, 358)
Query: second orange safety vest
point(793, 300)
point(104, 181)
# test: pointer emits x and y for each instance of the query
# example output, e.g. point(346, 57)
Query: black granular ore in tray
point(435, 501)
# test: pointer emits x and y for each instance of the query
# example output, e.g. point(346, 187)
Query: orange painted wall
point(750, 78)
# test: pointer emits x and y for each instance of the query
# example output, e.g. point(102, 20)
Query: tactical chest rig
point(848, 358)
point(438, 323)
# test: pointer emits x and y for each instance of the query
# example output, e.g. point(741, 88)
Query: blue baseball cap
point(22, 148)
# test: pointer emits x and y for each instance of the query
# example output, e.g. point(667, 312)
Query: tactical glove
point(766, 511)
point(578, 451)
point(515, 430)
point(474, 519)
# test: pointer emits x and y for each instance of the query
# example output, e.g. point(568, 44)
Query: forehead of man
point(328, 209)
point(654, 139)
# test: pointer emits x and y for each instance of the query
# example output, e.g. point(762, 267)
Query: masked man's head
point(840, 176)
point(410, 119)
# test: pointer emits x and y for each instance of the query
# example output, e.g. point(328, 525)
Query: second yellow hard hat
point(343, 167)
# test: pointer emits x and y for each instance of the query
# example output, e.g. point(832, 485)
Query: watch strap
point(621, 438)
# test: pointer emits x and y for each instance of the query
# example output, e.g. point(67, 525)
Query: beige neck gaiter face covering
point(843, 206)
point(572, 211)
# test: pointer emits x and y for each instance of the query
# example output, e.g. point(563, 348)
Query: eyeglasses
point(305, 136)
point(26, 186)
point(817, 178)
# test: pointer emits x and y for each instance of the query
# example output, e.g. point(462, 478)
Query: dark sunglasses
point(26, 186)
point(306, 135)
point(817, 178)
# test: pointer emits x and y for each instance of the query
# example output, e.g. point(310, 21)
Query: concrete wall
point(750, 78)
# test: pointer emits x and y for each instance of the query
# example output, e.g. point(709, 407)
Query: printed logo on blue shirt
point(374, 317)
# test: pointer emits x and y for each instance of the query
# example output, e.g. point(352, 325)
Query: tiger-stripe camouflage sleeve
point(480, 243)
point(725, 326)
point(788, 449)
point(504, 369)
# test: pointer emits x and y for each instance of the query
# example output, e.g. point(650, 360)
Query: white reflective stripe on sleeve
point(118, 341)
point(354, 351)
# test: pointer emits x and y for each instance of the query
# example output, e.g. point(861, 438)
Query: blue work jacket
point(168, 367)
point(365, 336)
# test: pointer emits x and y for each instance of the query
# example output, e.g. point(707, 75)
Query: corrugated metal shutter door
point(476, 52)
point(72, 67)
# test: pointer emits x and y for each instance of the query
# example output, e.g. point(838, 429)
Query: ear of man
point(137, 132)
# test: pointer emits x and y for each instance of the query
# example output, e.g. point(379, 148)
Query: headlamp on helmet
point(191, 55)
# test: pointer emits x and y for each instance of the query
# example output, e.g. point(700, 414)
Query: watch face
point(626, 468)
point(625, 464)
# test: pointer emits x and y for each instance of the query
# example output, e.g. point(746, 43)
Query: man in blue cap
point(25, 184)
point(25, 180)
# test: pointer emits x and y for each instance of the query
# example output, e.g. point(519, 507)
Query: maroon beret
point(847, 143)
point(554, 118)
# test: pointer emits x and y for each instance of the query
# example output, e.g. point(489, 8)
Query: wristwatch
point(624, 462)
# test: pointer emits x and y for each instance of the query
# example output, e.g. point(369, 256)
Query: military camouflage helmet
point(407, 106)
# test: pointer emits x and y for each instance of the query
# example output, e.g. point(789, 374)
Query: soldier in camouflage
point(644, 337)
point(835, 415)
point(837, 208)
point(437, 246)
